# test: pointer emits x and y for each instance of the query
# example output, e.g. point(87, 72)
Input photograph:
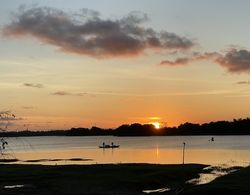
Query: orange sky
point(167, 62)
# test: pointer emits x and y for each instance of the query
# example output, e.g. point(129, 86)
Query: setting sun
point(156, 125)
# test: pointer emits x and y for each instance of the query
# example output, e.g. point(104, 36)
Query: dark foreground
point(116, 179)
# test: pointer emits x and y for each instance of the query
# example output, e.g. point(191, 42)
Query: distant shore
point(235, 127)
point(119, 179)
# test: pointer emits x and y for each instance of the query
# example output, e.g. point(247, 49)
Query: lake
point(224, 150)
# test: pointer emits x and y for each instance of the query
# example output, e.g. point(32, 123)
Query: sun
point(156, 125)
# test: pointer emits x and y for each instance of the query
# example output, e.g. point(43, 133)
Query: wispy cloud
point(35, 85)
point(28, 107)
point(177, 62)
point(60, 93)
point(193, 58)
point(243, 82)
point(86, 33)
point(194, 93)
point(234, 60)
point(65, 93)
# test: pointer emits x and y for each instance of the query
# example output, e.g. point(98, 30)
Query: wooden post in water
point(183, 153)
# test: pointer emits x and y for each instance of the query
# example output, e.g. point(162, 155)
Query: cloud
point(243, 83)
point(35, 85)
point(28, 107)
point(177, 62)
point(64, 93)
point(80, 94)
point(193, 58)
point(86, 33)
point(234, 60)
point(61, 93)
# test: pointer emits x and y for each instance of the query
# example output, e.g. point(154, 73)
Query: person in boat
point(112, 144)
point(103, 144)
point(4, 143)
point(212, 139)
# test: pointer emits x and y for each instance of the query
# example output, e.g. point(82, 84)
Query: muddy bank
point(94, 179)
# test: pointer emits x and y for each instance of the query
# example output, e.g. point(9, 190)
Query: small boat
point(109, 146)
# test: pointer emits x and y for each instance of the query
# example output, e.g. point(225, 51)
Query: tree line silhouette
point(235, 127)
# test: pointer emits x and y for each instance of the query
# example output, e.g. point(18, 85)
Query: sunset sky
point(81, 63)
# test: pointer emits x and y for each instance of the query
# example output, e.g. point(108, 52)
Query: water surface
point(233, 150)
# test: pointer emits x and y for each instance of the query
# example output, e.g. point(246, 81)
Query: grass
point(94, 179)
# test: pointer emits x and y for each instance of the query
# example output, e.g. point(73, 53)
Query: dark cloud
point(35, 85)
point(234, 60)
point(85, 33)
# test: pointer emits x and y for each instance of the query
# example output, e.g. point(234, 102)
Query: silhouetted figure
point(4, 143)
point(103, 144)
point(212, 139)
point(112, 144)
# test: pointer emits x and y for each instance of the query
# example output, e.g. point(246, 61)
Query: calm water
point(229, 150)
